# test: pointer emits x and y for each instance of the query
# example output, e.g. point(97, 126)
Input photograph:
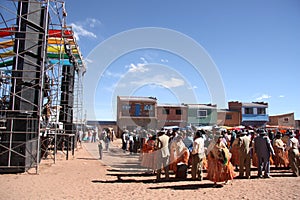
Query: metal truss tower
point(41, 69)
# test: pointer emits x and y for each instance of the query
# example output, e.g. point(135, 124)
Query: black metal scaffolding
point(41, 71)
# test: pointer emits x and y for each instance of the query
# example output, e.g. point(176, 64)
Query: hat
point(244, 133)
point(262, 132)
point(278, 134)
point(292, 134)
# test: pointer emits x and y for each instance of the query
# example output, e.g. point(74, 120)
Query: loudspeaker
point(66, 114)
point(67, 94)
point(27, 63)
point(20, 146)
point(20, 139)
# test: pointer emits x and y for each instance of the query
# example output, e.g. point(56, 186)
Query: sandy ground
point(118, 176)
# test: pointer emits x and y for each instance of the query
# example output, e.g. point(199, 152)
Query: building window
point(201, 113)
point(126, 107)
point(261, 111)
point(228, 116)
point(286, 119)
point(248, 110)
point(148, 107)
point(165, 111)
point(178, 111)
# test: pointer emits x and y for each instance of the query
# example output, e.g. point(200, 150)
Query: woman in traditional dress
point(182, 156)
point(148, 159)
point(235, 152)
point(280, 158)
point(219, 167)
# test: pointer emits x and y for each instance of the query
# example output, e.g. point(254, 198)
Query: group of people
point(257, 148)
point(178, 152)
point(218, 153)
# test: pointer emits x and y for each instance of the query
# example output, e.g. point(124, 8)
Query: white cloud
point(140, 67)
point(164, 60)
point(264, 96)
point(92, 22)
point(281, 96)
point(115, 75)
point(173, 82)
point(79, 31)
point(144, 60)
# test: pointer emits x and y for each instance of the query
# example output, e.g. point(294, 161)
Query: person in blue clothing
point(188, 141)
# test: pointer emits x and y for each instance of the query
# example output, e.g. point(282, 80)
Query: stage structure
point(41, 70)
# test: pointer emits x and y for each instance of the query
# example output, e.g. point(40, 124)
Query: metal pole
point(42, 70)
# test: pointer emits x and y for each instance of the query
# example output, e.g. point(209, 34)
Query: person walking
point(244, 155)
point(263, 150)
point(163, 154)
point(198, 154)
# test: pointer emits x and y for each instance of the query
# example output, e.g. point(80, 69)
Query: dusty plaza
point(118, 176)
point(149, 100)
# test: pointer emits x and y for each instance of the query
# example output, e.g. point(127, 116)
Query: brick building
point(136, 112)
point(228, 118)
point(284, 120)
point(171, 115)
point(251, 114)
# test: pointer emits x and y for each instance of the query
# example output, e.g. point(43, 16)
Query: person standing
point(234, 150)
point(281, 157)
point(219, 167)
point(107, 140)
point(100, 147)
point(125, 138)
point(163, 154)
point(263, 150)
point(198, 154)
point(94, 134)
point(244, 155)
point(131, 142)
point(182, 159)
point(294, 156)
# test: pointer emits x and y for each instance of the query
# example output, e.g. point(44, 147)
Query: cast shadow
point(87, 158)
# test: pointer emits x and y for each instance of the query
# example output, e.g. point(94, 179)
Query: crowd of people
point(220, 153)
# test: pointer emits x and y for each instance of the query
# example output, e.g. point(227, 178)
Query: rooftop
point(135, 98)
point(255, 104)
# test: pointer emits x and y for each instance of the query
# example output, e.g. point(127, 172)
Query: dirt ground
point(118, 176)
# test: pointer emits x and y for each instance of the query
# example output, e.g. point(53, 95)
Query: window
point(166, 111)
point(261, 111)
point(248, 110)
point(228, 116)
point(148, 107)
point(126, 107)
point(201, 113)
point(178, 111)
point(286, 119)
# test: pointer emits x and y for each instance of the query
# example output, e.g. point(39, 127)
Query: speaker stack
point(18, 149)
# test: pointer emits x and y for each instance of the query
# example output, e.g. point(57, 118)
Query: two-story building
point(202, 114)
point(228, 118)
point(171, 115)
point(286, 121)
point(136, 112)
point(251, 114)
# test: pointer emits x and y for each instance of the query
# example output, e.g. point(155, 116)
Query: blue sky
point(254, 45)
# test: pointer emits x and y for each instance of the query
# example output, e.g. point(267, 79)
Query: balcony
point(253, 117)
